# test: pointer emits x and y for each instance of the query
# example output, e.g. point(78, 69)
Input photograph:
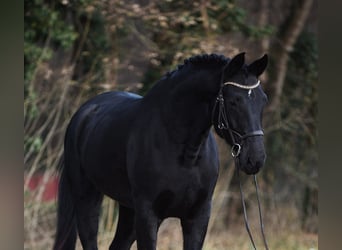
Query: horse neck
point(187, 108)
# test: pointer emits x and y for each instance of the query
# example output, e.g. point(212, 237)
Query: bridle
point(223, 124)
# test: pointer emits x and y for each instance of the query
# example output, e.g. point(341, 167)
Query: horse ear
point(235, 64)
point(258, 67)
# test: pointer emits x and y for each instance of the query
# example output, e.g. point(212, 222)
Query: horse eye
point(237, 100)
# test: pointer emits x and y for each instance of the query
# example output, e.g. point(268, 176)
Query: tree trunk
point(284, 45)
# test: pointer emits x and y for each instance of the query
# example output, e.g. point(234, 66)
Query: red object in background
point(50, 187)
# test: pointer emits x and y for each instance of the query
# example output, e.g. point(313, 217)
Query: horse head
point(238, 112)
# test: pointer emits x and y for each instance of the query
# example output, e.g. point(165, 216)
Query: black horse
point(156, 155)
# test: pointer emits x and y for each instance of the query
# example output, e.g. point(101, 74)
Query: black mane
point(201, 60)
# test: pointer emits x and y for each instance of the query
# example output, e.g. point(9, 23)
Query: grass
point(170, 237)
point(282, 228)
point(235, 238)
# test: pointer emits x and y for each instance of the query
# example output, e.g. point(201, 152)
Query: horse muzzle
point(250, 154)
point(253, 166)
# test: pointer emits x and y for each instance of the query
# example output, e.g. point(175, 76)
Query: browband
point(242, 86)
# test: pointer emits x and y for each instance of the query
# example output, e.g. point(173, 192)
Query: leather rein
point(223, 124)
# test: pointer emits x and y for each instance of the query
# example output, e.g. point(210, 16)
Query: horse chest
point(180, 202)
point(182, 195)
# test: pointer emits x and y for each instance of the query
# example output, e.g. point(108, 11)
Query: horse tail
point(70, 182)
point(66, 233)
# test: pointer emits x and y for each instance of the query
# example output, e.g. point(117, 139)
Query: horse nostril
point(255, 163)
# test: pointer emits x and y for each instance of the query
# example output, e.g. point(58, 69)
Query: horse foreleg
point(195, 228)
point(146, 223)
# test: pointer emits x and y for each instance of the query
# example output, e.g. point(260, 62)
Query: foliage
point(44, 26)
point(185, 27)
point(52, 30)
point(299, 104)
point(292, 142)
